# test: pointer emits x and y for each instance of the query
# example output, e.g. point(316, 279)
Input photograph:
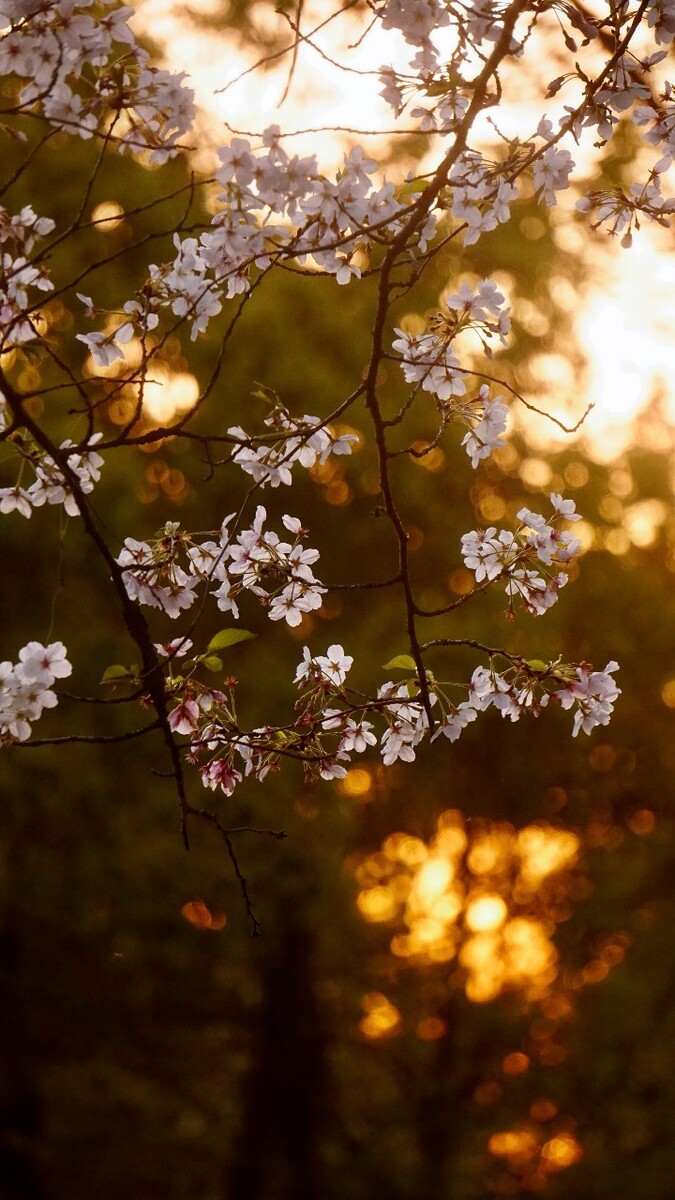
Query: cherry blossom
point(25, 687)
point(78, 69)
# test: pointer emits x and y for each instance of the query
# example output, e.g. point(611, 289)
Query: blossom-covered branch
point(103, 364)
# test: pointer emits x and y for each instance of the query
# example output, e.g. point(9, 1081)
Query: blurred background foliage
point(464, 983)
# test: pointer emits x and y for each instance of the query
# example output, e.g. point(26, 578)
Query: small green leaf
point(263, 392)
point(537, 664)
point(119, 674)
point(228, 637)
point(402, 662)
point(212, 662)
point(411, 188)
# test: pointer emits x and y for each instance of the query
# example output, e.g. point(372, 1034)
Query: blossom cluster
point(18, 276)
point(77, 67)
point(332, 722)
point(51, 485)
point(26, 688)
point(84, 72)
point(274, 207)
point(481, 191)
point(519, 557)
point(168, 572)
point(303, 440)
point(429, 361)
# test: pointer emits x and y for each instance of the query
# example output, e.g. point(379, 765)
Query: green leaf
point(263, 392)
point(119, 674)
point(212, 662)
point(537, 664)
point(402, 662)
point(412, 188)
point(228, 637)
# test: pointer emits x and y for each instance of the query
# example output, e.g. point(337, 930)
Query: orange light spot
point(535, 473)
point(560, 1152)
point(199, 914)
point(338, 492)
point(382, 1018)
point(166, 394)
point(461, 582)
point(491, 853)
point(401, 946)
point(416, 537)
point(613, 954)
point(557, 1008)
point(356, 783)
point(331, 608)
point(431, 458)
point(108, 215)
point(642, 822)
point(576, 474)
point(325, 472)
point(602, 757)
point(513, 1143)
point(407, 849)
point(486, 913)
point(488, 1093)
point(377, 904)
point(442, 950)
point(543, 1110)
point(552, 1056)
point(596, 971)
point(668, 693)
point(433, 878)
point(121, 411)
point(515, 1064)
point(492, 507)
point(430, 1029)
point(545, 850)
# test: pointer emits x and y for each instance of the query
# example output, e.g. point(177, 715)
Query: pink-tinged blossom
point(486, 434)
point(45, 663)
point(565, 508)
point(329, 668)
point(25, 688)
point(185, 718)
point(595, 693)
point(297, 443)
point(330, 768)
point(398, 743)
point(177, 648)
point(357, 736)
point(517, 556)
point(220, 774)
point(156, 581)
point(490, 689)
point(488, 556)
point(551, 173)
point(102, 347)
point(408, 722)
point(454, 722)
point(15, 499)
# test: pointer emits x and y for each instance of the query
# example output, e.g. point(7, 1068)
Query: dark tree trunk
point(285, 1107)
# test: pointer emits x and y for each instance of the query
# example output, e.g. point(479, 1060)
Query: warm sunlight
point(480, 895)
point(624, 323)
